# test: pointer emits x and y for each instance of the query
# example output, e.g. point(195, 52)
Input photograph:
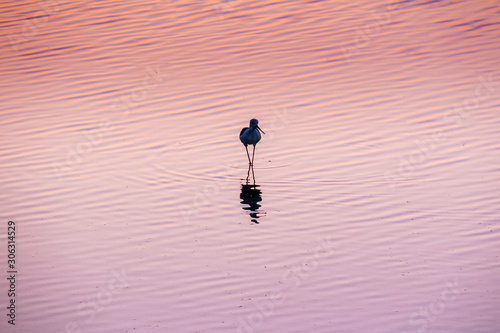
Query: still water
point(372, 206)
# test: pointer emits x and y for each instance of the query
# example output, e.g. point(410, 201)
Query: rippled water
point(372, 207)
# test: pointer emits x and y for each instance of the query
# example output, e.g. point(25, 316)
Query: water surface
point(372, 206)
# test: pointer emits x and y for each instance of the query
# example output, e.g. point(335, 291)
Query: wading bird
point(250, 136)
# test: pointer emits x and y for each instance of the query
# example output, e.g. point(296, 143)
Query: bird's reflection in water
point(251, 195)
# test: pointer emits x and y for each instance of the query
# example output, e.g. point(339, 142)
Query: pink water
point(120, 163)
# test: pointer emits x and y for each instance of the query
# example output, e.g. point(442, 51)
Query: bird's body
point(251, 136)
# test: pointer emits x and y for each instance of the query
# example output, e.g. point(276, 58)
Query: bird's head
point(254, 123)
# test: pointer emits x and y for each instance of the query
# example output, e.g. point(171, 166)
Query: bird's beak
point(260, 130)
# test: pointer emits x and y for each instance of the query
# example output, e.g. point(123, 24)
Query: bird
point(250, 136)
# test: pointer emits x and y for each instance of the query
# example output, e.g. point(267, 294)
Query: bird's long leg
point(253, 154)
point(248, 155)
point(253, 175)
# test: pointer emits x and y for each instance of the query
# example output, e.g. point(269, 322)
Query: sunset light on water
point(372, 204)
